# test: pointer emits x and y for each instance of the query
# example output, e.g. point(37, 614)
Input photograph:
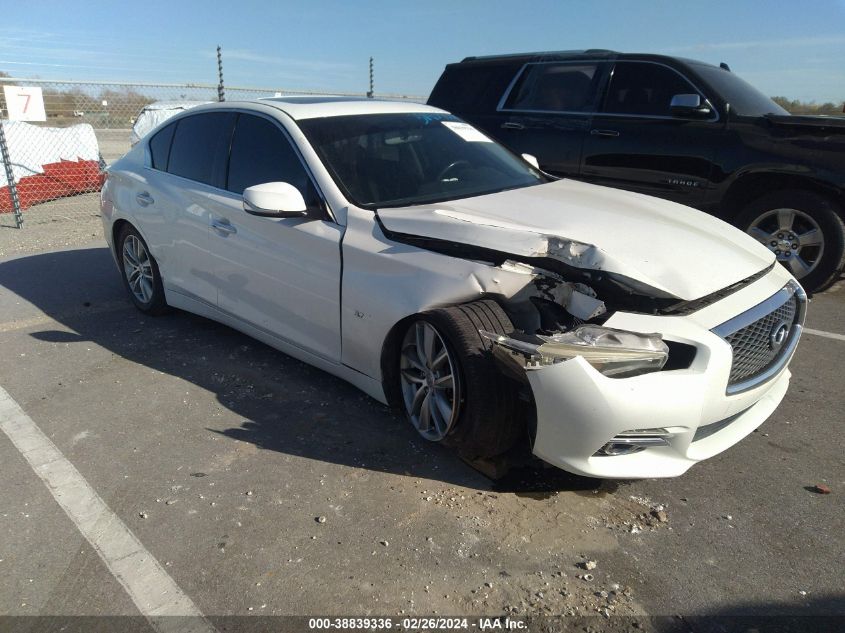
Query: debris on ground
point(660, 515)
point(822, 489)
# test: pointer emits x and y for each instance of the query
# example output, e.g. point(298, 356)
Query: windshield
point(394, 160)
point(744, 98)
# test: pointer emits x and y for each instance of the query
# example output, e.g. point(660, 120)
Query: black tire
point(488, 423)
point(156, 305)
point(824, 212)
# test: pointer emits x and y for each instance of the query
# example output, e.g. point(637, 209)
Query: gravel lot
point(265, 487)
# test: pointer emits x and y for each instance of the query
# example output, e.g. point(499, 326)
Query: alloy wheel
point(793, 236)
point(429, 381)
point(138, 268)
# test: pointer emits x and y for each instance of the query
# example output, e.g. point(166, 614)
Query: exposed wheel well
point(116, 228)
point(748, 188)
point(389, 350)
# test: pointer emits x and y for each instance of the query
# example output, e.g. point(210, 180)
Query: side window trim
point(174, 125)
point(603, 90)
point(170, 145)
point(513, 83)
point(296, 151)
point(691, 83)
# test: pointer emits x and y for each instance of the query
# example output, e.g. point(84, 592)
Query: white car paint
point(329, 292)
point(600, 228)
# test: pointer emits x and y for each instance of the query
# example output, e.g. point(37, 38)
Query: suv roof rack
point(589, 51)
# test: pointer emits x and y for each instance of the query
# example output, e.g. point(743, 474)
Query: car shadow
point(280, 400)
point(811, 614)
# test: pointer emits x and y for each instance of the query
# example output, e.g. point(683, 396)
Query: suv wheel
point(804, 230)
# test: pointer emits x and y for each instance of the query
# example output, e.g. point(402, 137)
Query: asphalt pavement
point(262, 486)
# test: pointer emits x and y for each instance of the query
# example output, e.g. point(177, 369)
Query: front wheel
point(805, 232)
point(451, 389)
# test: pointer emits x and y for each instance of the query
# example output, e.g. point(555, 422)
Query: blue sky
point(793, 49)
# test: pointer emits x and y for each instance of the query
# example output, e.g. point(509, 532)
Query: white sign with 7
point(24, 103)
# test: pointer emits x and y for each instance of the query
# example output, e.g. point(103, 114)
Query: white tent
point(31, 147)
point(153, 114)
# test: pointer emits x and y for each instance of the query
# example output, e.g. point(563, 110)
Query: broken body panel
point(436, 256)
point(664, 246)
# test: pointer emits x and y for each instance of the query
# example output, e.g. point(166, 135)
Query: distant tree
point(796, 106)
point(123, 105)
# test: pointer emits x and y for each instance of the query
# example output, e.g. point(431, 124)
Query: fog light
point(634, 441)
point(612, 449)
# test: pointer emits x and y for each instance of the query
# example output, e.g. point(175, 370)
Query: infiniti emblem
point(777, 337)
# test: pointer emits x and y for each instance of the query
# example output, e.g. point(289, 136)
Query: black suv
point(674, 128)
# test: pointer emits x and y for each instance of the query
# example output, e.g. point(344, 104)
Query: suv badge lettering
point(683, 182)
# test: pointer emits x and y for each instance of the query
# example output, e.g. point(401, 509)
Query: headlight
point(615, 353)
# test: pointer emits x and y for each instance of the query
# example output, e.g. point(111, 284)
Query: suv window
point(644, 88)
point(199, 147)
point(160, 147)
point(744, 99)
point(472, 87)
point(262, 153)
point(554, 88)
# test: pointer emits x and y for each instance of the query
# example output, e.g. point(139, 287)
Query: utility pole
point(370, 91)
point(221, 94)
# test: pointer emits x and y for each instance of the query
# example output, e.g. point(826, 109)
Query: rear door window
point(200, 146)
point(554, 88)
point(160, 147)
point(644, 89)
point(262, 153)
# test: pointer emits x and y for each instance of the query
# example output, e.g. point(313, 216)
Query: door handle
point(604, 133)
point(144, 199)
point(512, 125)
point(223, 226)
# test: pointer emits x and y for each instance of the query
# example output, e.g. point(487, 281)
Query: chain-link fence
point(56, 165)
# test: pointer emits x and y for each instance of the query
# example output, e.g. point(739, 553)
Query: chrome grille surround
point(757, 354)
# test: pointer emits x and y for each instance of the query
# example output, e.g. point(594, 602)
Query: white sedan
point(397, 247)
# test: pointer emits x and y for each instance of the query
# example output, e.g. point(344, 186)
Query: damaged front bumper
point(580, 412)
point(657, 424)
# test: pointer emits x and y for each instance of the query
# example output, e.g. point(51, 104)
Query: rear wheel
point(451, 390)
point(804, 230)
point(141, 276)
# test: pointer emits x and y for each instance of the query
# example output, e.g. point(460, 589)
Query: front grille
point(751, 345)
point(758, 354)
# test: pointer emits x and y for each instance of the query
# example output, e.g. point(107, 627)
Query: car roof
point(312, 107)
point(574, 55)
point(174, 105)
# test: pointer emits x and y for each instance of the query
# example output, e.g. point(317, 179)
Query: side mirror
point(531, 160)
point(689, 105)
point(275, 200)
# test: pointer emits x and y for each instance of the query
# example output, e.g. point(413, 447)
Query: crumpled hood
point(675, 249)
